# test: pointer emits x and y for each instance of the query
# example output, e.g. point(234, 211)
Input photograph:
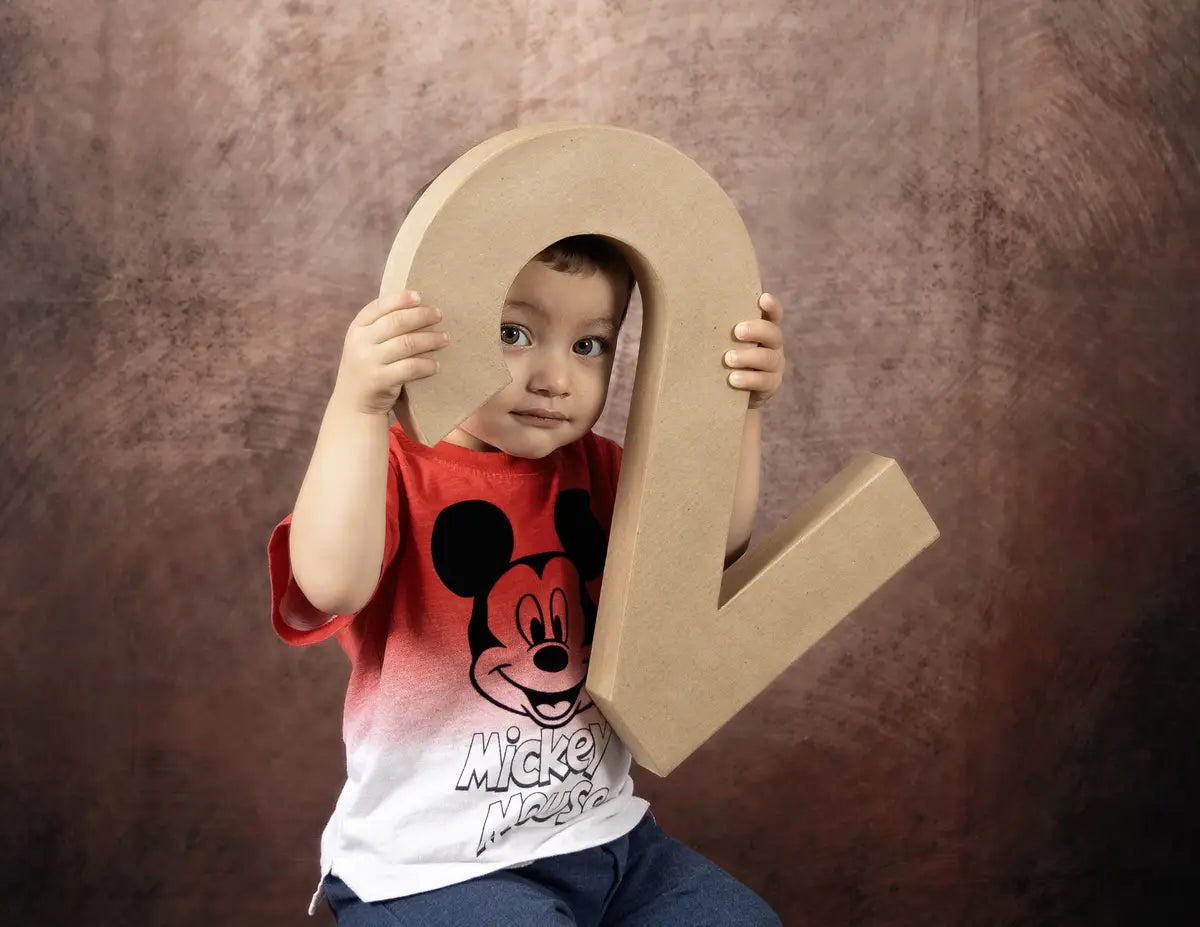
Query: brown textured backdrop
point(984, 221)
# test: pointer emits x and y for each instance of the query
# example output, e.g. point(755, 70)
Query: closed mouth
point(534, 413)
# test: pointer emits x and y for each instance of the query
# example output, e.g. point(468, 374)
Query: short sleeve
point(287, 599)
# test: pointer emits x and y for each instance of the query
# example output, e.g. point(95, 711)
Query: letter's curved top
point(502, 202)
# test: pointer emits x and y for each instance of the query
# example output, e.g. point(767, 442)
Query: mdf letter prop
point(680, 646)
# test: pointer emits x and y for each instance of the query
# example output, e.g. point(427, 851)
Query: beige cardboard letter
point(680, 646)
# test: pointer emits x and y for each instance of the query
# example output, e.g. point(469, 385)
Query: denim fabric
point(644, 878)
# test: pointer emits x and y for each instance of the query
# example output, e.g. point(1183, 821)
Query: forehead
point(541, 290)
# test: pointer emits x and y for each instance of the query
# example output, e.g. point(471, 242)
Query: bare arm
point(338, 531)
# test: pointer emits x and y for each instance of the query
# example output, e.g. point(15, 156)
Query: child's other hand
point(759, 366)
point(385, 348)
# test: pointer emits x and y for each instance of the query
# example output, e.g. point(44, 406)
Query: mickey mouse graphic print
point(471, 742)
point(532, 619)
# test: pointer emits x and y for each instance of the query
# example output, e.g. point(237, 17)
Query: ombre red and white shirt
point(471, 743)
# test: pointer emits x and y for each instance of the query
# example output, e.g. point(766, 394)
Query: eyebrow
point(599, 321)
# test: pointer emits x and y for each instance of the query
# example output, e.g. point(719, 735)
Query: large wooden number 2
point(680, 644)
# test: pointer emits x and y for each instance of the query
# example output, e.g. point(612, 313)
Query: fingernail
point(414, 296)
point(731, 357)
point(437, 313)
point(742, 329)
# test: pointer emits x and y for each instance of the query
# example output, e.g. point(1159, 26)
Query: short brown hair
point(586, 254)
point(579, 254)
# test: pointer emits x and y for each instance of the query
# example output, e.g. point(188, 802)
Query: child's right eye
point(511, 335)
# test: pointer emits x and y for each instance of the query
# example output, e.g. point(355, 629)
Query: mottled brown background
point(983, 219)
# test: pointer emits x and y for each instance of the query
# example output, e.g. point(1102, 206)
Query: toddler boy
point(483, 786)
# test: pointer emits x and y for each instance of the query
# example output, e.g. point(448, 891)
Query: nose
point(548, 375)
point(551, 659)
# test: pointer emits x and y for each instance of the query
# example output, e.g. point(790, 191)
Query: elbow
point(328, 593)
point(326, 589)
point(330, 599)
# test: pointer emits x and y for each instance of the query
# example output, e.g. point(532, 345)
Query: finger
point(378, 308)
point(755, 380)
point(410, 345)
point(771, 307)
point(760, 331)
point(410, 368)
point(402, 321)
point(754, 359)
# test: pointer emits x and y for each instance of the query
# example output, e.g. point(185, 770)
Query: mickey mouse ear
point(582, 537)
point(472, 546)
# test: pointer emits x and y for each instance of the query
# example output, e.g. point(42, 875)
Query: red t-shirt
point(472, 744)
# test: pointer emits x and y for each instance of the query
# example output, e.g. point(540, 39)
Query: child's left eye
point(593, 347)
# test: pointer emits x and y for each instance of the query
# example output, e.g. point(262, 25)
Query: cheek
point(603, 379)
point(512, 391)
point(515, 362)
point(498, 404)
point(471, 424)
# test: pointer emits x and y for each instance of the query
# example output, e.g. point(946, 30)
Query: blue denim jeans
point(644, 878)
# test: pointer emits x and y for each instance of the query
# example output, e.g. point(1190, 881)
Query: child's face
point(558, 332)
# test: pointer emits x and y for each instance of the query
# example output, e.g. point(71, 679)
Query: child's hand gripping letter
point(385, 348)
point(759, 365)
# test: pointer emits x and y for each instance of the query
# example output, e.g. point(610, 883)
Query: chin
point(501, 433)
point(537, 448)
point(521, 441)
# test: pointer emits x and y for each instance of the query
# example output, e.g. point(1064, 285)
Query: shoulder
point(598, 445)
point(602, 454)
point(396, 438)
point(397, 441)
point(404, 449)
point(601, 443)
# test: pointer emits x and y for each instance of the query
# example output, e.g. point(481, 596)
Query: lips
point(546, 414)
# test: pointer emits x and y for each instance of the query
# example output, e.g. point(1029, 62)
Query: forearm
point(745, 494)
point(338, 523)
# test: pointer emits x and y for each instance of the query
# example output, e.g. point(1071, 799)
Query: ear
point(472, 547)
point(582, 537)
